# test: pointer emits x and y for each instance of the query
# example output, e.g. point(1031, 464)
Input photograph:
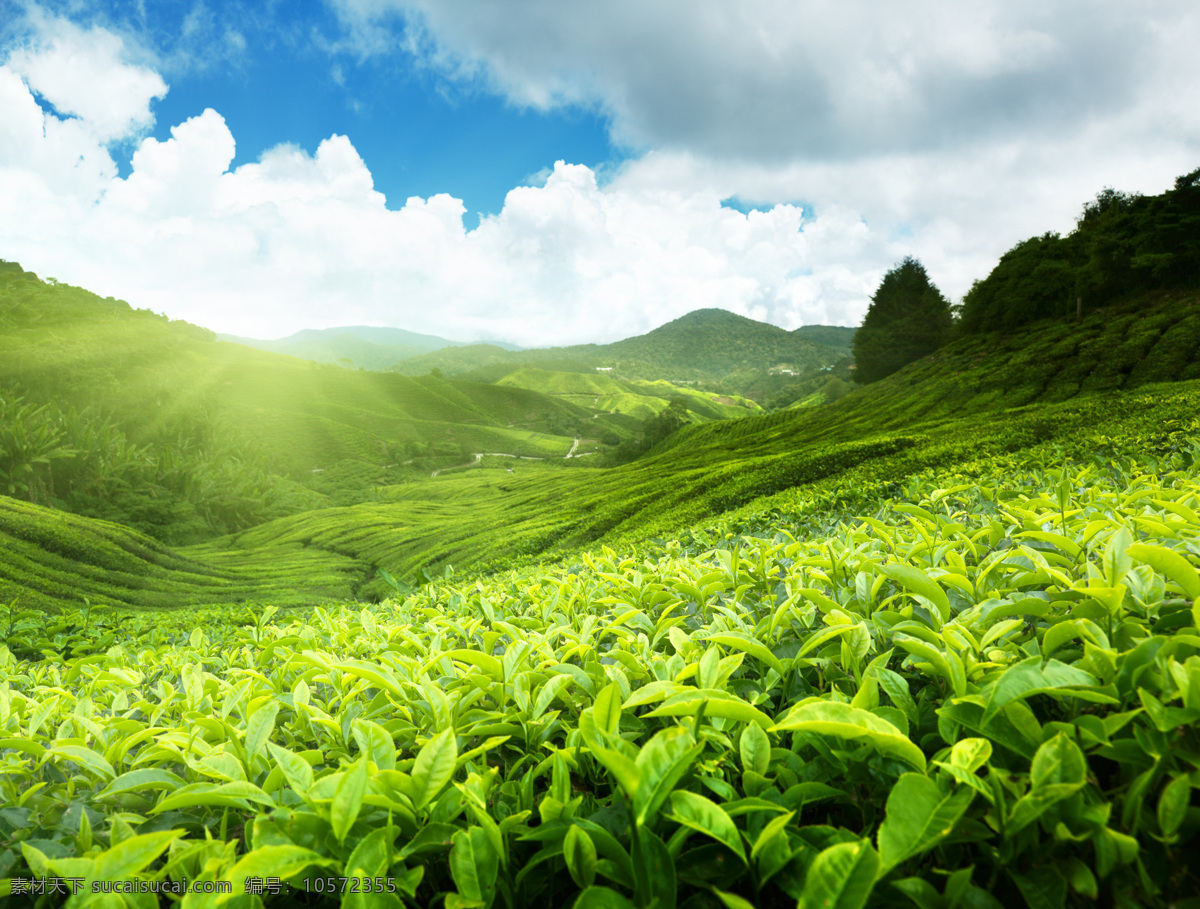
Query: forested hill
point(1123, 245)
point(704, 344)
point(718, 342)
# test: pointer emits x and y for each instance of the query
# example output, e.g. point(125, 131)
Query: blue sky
point(564, 172)
point(418, 134)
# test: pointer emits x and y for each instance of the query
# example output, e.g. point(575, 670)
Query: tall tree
point(908, 319)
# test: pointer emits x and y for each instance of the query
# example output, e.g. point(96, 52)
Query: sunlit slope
point(311, 416)
point(50, 558)
point(155, 377)
point(492, 518)
point(975, 397)
point(368, 347)
point(643, 399)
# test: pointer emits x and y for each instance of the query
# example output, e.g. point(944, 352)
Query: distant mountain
point(718, 342)
point(367, 346)
point(839, 337)
point(704, 344)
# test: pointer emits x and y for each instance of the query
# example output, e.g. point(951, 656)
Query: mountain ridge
point(706, 343)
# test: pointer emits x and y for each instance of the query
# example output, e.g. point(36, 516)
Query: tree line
point(1123, 245)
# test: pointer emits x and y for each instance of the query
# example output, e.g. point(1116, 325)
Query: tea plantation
point(933, 645)
point(978, 689)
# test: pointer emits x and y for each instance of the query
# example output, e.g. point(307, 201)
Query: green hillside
point(704, 344)
point(122, 414)
point(641, 399)
point(974, 684)
point(922, 417)
point(935, 643)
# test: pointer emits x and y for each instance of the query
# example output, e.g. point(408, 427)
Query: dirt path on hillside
point(479, 456)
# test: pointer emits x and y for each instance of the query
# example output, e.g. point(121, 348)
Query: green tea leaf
point(236, 794)
point(259, 728)
point(1172, 564)
point(85, 757)
point(348, 799)
point(606, 709)
point(488, 665)
point(601, 898)
point(474, 865)
point(434, 767)
point(146, 779)
point(661, 764)
point(919, 816)
point(1043, 887)
point(1058, 761)
point(918, 582)
point(707, 817)
point(844, 721)
point(841, 877)
point(375, 742)
point(123, 861)
point(715, 703)
point(747, 644)
point(580, 854)
point(755, 749)
point(1173, 805)
point(1030, 677)
point(371, 857)
point(296, 770)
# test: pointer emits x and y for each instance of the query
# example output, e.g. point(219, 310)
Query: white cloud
point(953, 130)
point(897, 138)
point(298, 239)
point(780, 80)
point(84, 74)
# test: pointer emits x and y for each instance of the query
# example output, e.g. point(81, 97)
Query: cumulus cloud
point(302, 239)
point(862, 137)
point(298, 240)
point(775, 80)
point(953, 130)
point(85, 75)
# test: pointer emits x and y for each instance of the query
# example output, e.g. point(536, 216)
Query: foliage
point(192, 483)
point(29, 441)
point(1123, 245)
point(908, 319)
point(980, 691)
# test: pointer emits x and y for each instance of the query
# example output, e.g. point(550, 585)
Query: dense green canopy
point(1123, 245)
point(908, 319)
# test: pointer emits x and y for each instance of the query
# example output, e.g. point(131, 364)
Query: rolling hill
point(704, 344)
point(940, 413)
